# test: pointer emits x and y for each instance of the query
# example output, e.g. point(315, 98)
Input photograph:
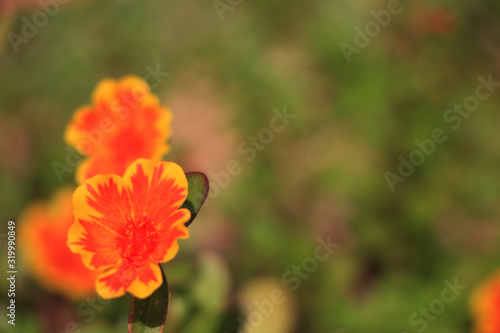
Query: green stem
point(148, 315)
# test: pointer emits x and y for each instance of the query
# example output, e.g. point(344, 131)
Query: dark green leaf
point(148, 315)
point(197, 193)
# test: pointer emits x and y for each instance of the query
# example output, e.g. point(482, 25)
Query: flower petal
point(157, 189)
point(103, 200)
point(103, 93)
point(114, 282)
point(101, 208)
point(84, 121)
point(95, 243)
point(170, 232)
point(139, 281)
point(148, 280)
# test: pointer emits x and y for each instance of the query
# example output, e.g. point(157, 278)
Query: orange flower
point(485, 306)
point(43, 234)
point(125, 226)
point(125, 122)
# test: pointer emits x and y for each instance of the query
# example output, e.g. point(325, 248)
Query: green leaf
point(197, 193)
point(148, 315)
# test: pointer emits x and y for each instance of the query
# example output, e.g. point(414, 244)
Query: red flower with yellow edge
point(125, 226)
point(485, 306)
point(124, 123)
point(43, 234)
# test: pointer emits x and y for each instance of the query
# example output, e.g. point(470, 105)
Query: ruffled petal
point(148, 280)
point(103, 200)
point(78, 132)
point(104, 93)
point(170, 232)
point(102, 209)
point(139, 281)
point(95, 243)
point(157, 189)
point(114, 282)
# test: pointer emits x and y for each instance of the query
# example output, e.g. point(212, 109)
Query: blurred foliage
point(322, 175)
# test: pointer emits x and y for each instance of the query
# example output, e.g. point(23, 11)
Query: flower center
point(141, 243)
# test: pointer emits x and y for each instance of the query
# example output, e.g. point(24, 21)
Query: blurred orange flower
point(485, 306)
point(125, 226)
point(124, 123)
point(43, 234)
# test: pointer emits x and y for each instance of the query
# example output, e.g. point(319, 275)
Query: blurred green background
point(229, 65)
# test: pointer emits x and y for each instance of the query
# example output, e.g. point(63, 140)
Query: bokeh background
point(229, 65)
